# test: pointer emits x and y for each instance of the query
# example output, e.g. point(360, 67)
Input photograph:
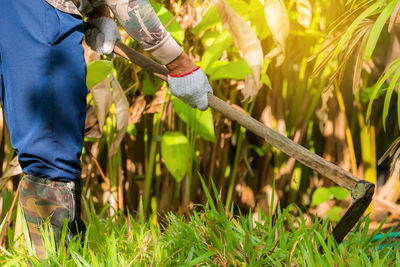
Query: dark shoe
point(42, 198)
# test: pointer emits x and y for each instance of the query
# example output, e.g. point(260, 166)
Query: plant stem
point(152, 153)
point(349, 138)
point(368, 147)
point(241, 132)
point(9, 215)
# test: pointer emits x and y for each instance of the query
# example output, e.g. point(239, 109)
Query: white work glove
point(191, 88)
point(103, 36)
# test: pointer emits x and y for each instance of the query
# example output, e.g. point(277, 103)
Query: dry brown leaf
point(91, 118)
point(122, 114)
point(251, 87)
point(89, 54)
point(13, 169)
point(322, 112)
point(350, 46)
point(247, 42)
point(278, 22)
point(304, 12)
point(267, 117)
point(94, 132)
point(394, 17)
point(392, 152)
point(391, 189)
point(137, 109)
point(393, 208)
point(156, 104)
point(102, 100)
point(91, 126)
point(247, 197)
point(393, 48)
point(328, 49)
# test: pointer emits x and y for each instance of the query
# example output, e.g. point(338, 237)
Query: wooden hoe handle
point(333, 172)
point(361, 191)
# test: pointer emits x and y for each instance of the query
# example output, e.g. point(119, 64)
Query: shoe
point(42, 199)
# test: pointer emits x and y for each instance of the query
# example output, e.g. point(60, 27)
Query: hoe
point(361, 191)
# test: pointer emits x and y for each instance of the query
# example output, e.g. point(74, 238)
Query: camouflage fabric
point(42, 199)
point(76, 7)
point(140, 21)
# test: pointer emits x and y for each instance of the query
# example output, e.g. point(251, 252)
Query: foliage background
point(310, 70)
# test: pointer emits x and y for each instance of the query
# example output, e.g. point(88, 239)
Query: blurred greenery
point(323, 73)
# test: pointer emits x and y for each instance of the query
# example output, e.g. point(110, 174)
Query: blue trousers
point(43, 87)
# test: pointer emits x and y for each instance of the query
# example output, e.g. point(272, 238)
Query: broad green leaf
point(320, 195)
point(97, 71)
point(230, 70)
point(173, 26)
point(131, 129)
point(200, 121)
point(304, 12)
point(338, 192)
point(257, 19)
point(151, 85)
point(334, 213)
point(278, 22)
point(216, 65)
point(377, 29)
point(209, 20)
point(264, 77)
point(209, 37)
point(240, 7)
point(247, 42)
point(176, 152)
point(266, 80)
point(215, 51)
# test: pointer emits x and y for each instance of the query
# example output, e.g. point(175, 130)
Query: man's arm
point(140, 21)
point(144, 26)
point(187, 81)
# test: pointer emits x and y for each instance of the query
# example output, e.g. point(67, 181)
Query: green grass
point(208, 238)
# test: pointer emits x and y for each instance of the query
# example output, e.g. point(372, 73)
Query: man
point(43, 92)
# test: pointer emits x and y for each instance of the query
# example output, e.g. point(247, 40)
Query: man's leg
point(44, 102)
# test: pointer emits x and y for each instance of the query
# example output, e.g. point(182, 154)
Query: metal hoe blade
point(362, 196)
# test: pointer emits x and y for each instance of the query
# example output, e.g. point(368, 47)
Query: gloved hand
point(191, 88)
point(103, 36)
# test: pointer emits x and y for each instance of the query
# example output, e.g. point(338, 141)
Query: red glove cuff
point(183, 75)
